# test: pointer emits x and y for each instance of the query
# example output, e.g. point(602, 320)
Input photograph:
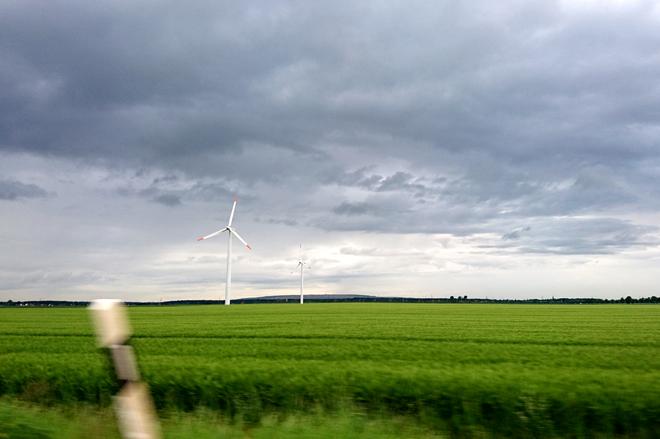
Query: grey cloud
point(397, 212)
point(398, 181)
point(212, 191)
point(172, 190)
point(352, 209)
point(168, 200)
point(284, 221)
point(401, 181)
point(165, 179)
point(485, 103)
point(515, 234)
point(518, 192)
point(507, 87)
point(359, 178)
point(580, 236)
point(11, 190)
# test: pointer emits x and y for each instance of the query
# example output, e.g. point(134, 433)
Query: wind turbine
point(232, 232)
point(301, 265)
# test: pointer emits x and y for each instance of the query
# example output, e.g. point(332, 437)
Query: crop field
point(462, 369)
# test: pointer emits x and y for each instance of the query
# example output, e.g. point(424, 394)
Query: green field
point(460, 369)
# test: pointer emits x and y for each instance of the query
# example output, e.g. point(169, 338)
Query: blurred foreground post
point(133, 404)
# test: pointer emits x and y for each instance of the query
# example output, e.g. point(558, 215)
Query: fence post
point(133, 405)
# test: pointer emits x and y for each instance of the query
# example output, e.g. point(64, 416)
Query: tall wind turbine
point(301, 266)
point(232, 232)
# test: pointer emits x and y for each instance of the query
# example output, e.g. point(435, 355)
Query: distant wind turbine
point(301, 266)
point(232, 232)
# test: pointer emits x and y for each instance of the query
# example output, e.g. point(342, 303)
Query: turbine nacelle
point(239, 237)
point(229, 229)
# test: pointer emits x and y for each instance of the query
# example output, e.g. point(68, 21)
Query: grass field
point(19, 420)
point(460, 369)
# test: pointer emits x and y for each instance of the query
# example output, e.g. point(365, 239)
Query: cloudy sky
point(419, 148)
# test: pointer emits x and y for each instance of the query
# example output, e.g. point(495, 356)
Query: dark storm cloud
point(143, 85)
point(11, 190)
point(491, 114)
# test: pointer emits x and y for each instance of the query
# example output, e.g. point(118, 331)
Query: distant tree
point(464, 297)
point(629, 299)
point(451, 297)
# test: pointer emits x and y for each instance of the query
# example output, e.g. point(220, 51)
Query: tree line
point(346, 298)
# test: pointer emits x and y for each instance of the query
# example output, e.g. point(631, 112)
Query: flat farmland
point(465, 369)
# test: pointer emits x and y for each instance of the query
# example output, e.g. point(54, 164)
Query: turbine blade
point(239, 237)
point(231, 215)
point(201, 238)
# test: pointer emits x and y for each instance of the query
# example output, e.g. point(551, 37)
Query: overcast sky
point(482, 148)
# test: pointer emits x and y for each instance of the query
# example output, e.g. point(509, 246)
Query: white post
point(133, 404)
point(228, 284)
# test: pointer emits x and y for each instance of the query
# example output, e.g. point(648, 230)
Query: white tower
point(301, 266)
point(232, 232)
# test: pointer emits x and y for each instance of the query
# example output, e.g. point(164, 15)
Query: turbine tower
point(301, 266)
point(232, 232)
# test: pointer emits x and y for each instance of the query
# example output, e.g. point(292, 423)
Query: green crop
point(516, 370)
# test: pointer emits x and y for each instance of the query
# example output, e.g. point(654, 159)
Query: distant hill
point(310, 297)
